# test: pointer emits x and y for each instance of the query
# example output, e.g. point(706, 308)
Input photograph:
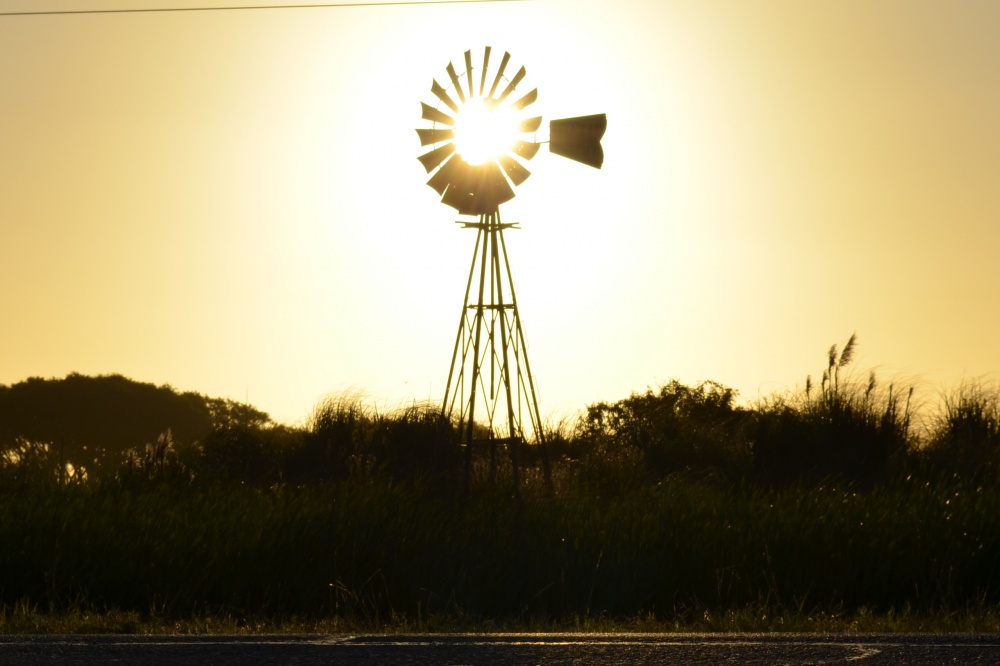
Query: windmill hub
point(484, 131)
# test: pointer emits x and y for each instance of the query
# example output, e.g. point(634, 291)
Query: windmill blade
point(526, 100)
point(525, 149)
point(435, 115)
point(579, 138)
point(459, 199)
point(530, 124)
point(447, 174)
point(432, 159)
point(492, 187)
point(514, 169)
point(442, 95)
point(486, 65)
point(454, 81)
point(468, 72)
point(503, 66)
point(429, 136)
point(458, 194)
point(513, 84)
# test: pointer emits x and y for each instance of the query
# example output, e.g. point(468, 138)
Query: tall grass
point(846, 428)
point(381, 552)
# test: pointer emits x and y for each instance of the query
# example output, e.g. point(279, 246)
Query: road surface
point(507, 649)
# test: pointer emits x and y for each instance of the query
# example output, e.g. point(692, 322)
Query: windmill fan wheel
point(478, 136)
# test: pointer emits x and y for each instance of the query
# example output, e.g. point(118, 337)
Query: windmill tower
point(479, 140)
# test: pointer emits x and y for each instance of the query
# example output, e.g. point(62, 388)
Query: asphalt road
point(506, 649)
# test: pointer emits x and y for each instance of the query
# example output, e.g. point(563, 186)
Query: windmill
point(481, 134)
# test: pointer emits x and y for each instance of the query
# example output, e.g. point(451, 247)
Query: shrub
point(966, 438)
point(677, 429)
point(245, 453)
point(345, 440)
point(414, 442)
point(333, 446)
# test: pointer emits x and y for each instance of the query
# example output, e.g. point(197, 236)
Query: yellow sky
point(230, 202)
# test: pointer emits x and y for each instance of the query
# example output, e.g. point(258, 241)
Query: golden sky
point(230, 202)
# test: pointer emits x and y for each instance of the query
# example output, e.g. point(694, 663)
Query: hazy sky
point(230, 202)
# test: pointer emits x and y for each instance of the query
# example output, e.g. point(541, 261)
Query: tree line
point(843, 427)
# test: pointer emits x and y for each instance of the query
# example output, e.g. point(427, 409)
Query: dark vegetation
point(674, 505)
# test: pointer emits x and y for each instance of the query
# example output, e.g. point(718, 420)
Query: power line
point(245, 7)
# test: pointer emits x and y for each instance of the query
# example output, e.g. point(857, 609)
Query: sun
point(484, 131)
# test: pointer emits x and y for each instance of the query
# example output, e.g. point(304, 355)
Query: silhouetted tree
point(88, 419)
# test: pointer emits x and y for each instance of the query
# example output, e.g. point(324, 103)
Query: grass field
point(680, 553)
point(669, 510)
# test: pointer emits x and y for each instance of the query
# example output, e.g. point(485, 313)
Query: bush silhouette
point(677, 429)
point(966, 440)
point(345, 440)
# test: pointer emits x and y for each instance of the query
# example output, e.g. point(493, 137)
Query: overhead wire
point(149, 10)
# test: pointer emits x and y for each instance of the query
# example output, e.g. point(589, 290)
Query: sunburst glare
point(484, 131)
